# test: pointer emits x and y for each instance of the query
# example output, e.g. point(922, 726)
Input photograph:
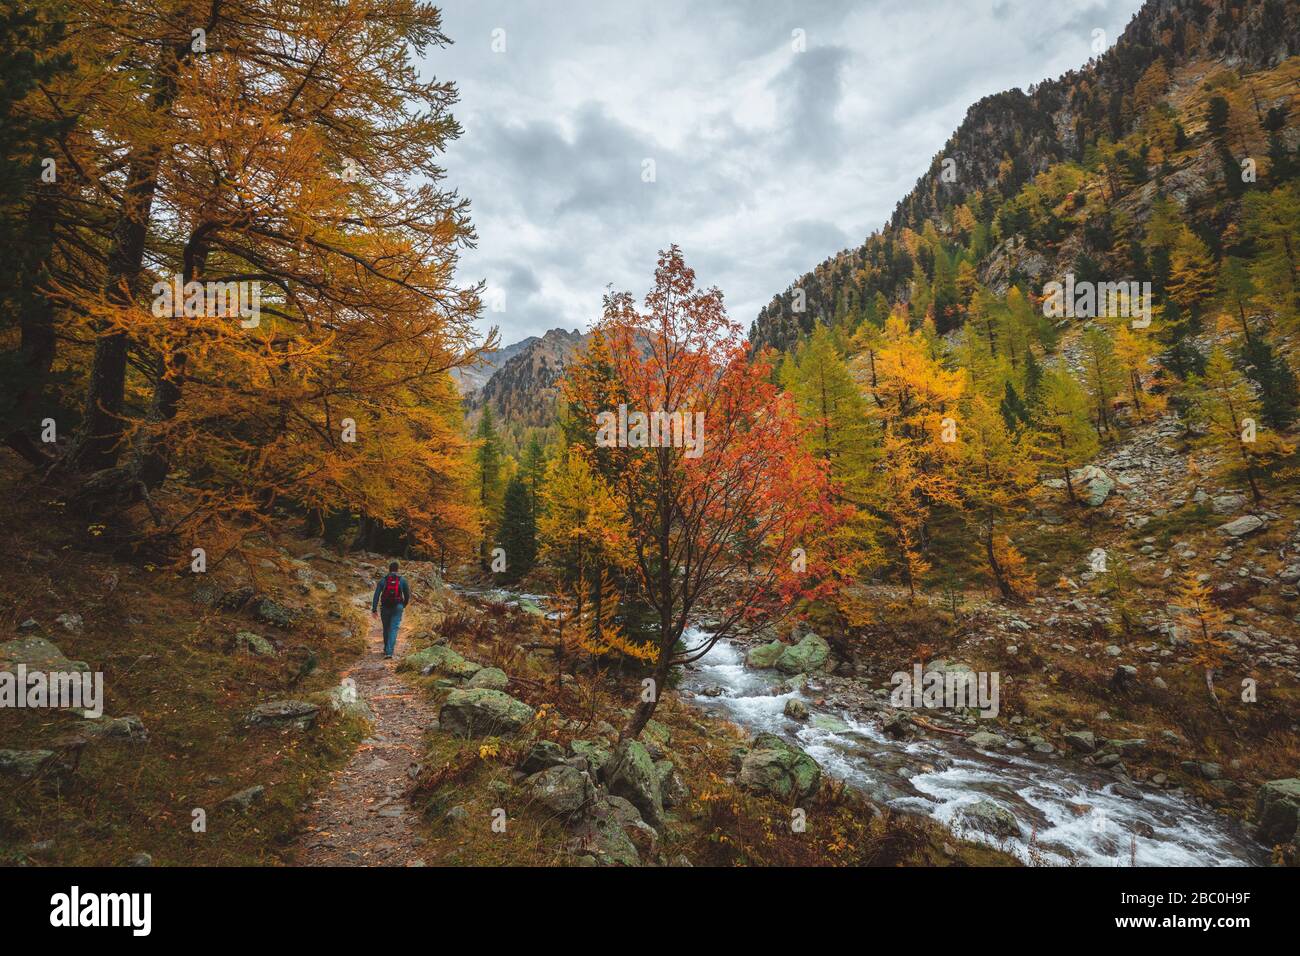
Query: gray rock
point(806, 657)
point(1082, 741)
point(1227, 504)
point(38, 654)
point(272, 612)
point(1240, 527)
point(596, 753)
point(672, 788)
point(1092, 485)
point(1124, 677)
point(492, 678)
point(345, 700)
point(765, 655)
point(561, 789)
point(631, 774)
point(249, 643)
point(480, 712)
point(600, 838)
point(796, 709)
point(26, 764)
point(541, 756)
point(1277, 810)
point(298, 714)
point(986, 740)
point(988, 817)
point(779, 768)
point(898, 725)
point(439, 659)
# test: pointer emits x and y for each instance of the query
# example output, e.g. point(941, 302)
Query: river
point(1068, 812)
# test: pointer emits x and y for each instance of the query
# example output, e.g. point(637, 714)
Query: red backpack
point(392, 593)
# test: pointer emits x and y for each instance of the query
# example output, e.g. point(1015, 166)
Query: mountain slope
point(522, 389)
point(1008, 138)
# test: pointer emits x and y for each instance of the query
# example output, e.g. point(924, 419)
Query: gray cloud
point(766, 160)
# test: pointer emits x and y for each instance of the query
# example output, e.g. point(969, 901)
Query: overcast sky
point(766, 159)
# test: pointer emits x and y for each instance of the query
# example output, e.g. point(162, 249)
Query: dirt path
point(361, 818)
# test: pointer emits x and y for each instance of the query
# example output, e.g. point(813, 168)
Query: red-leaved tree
point(725, 523)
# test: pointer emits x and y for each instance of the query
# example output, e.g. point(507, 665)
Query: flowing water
point(1069, 811)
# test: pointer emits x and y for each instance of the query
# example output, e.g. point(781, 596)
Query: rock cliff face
point(1009, 137)
point(522, 390)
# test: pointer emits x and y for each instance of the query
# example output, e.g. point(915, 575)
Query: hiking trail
point(361, 817)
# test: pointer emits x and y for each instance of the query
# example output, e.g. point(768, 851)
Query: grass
point(167, 660)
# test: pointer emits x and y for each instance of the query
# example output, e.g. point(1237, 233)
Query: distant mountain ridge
point(522, 388)
point(469, 380)
point(1008, 138)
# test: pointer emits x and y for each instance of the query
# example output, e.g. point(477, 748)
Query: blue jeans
point(391, 618)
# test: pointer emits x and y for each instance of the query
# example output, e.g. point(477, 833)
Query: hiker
point(392, 594)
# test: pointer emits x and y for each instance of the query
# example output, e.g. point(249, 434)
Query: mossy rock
point(778, 768)
point(493, 678)
point(480, 712)
point(765, 655)
point(806, 657)
point(439, 660)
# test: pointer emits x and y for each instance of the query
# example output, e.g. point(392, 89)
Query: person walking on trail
point(392, 594)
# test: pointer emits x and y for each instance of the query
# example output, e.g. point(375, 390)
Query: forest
point(1039, 433)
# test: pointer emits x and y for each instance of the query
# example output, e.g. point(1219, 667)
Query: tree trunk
point(101, 430)
point(646, 708)
point(152, 453)
point(36, 325)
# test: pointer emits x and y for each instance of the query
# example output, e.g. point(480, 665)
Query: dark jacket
point(379, 590)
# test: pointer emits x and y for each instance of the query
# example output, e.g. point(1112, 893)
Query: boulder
point(38, 654)
point(1277, 810)
point(600, 838)
point(1240, 527)
point(776, 767)
point(986, 740)
point(672, 788)
point(298, 714)
point(439, 659)
point(988, 817)
point(765, 655)
point(796, 709)
point(1227, 504)
point(272, 612)
point(1082, 741)
point(129, 728)
point(808, 656)
point(26, 764)
point(249, 643)
point(1125, 676)
point(1125, 748)
point(898, 725)
point(493, 678)
point(345, 700)
point(541, 756)
point(480, 712)
point(561, 789)
point(1092, 485)
point(596, 753)
point(631, 774)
